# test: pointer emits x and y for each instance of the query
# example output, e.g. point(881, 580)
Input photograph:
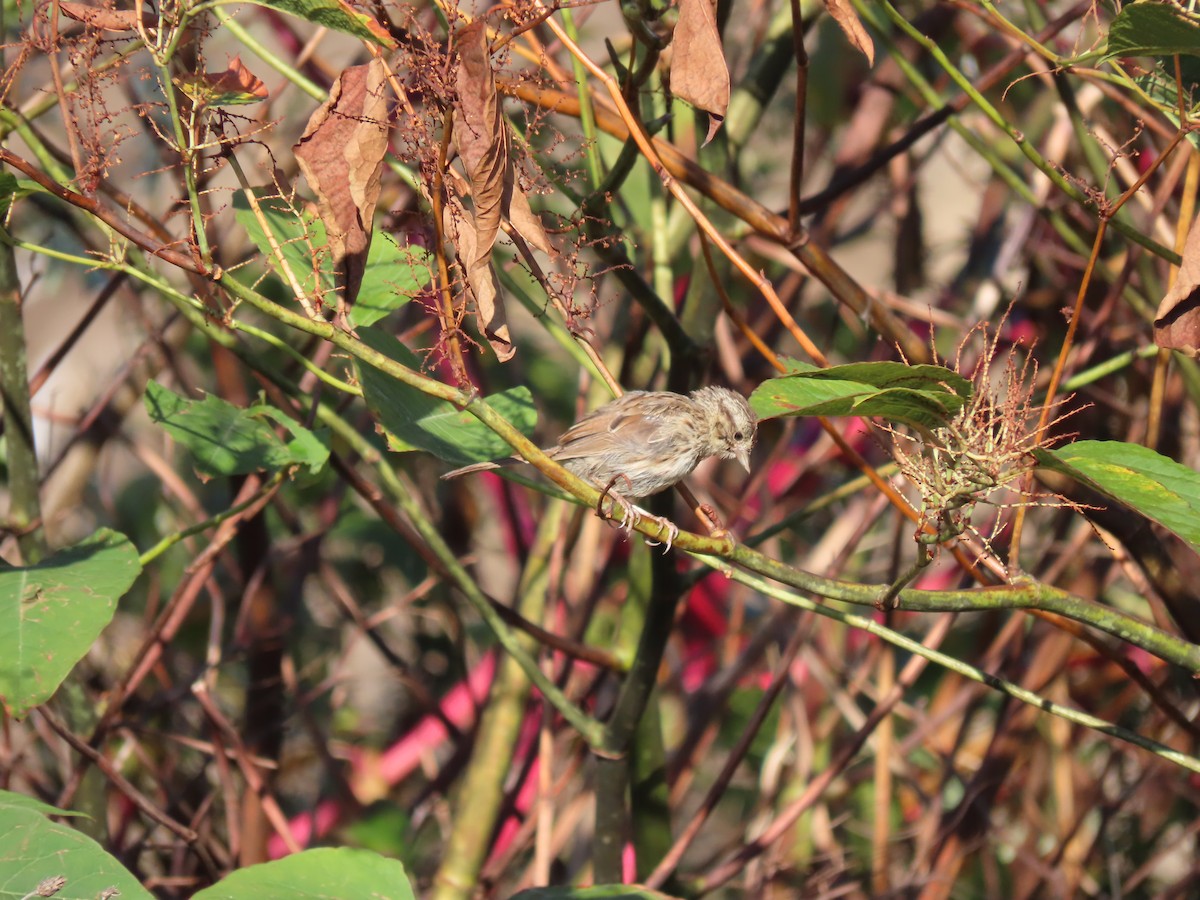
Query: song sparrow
point(645, 441)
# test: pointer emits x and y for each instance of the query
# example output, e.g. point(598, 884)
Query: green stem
point(587, 116)
point(251, 43)
point(1026, 596)
point(1029, 596)
point(172, 539)
point(185, 146)
point(966, 670)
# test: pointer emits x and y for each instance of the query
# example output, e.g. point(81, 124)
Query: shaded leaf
point(1153, 29)
point(699, 73)
point(394, 275)
point(323, 874)
point(1146, 481)
point(843, 13)
point(236, 86)
point(415, 421)
point(52, 612)
point(1177, 321)
point(922, 396)
point(227, 440)
point(341, 155)
point(34, 850)
point(337, 15)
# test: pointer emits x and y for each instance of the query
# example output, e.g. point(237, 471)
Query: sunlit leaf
point(299, 235)
point(37, 853)
point(924, 396)
point(323, 874)
point(337, 15)
point(1146, 481)
point(1153, 29)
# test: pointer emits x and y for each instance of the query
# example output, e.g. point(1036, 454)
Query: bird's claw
point(666, 524)
point(672, 533)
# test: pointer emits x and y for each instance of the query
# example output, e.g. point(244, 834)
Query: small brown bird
point(645, 441)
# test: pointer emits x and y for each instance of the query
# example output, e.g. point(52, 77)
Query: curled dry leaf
point(1177, 321)
point(843, 13)
point(341, 155)
point(481, 136)
point(699, 74)
point(236, 86)
point(106, 19)
point(482, 140)
point(481, 280)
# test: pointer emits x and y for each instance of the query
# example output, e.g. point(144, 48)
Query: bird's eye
point(737, 435)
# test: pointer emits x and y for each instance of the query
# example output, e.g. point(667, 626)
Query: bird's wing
point(626, 424)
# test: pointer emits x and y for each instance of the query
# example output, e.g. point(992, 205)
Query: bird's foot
point(629, 513)
point(632, 516)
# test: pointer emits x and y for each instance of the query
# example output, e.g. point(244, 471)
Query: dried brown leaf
point(699, 73)
point(482, 139)
point(1177, 321)
point(522, 218)
point(481, 136)
point(843, 13)
point(106, 19)
point(481, 279)
point(341, 155)
point(235, 86)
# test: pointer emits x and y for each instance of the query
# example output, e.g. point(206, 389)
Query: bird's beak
point(743, 456)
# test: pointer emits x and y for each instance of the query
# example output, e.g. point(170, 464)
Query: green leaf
point(416, 421)
point(924, 396)
point(34, 849)
point(1153, 29)
point(306, 448)
point(300, 236)
point(1152, 484)
point(596, 892)
point(227, 440)
point(336, 15)
point(52, 612)
point(323, 874)
point(394, 276)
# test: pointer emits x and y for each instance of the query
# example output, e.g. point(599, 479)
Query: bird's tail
point(480, 467)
